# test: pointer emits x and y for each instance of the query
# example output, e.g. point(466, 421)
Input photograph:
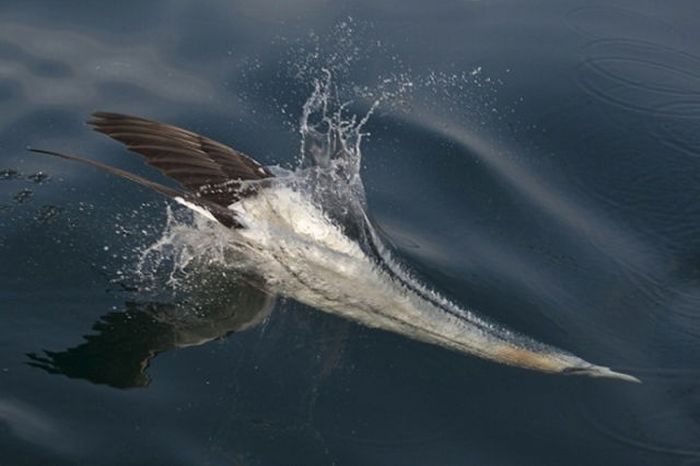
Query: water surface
point(538, 162)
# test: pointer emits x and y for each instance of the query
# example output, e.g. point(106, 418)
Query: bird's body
point(308, 237)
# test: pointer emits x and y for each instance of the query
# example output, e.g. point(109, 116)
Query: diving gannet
point(306, 234)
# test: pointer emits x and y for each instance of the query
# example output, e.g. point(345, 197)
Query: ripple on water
point(634, 164)
point(642, 77)
point(665, 427)
point(611, 22)
point(681, 135)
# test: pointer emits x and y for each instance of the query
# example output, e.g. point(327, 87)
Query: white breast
point(302, 254)
point(298, 249)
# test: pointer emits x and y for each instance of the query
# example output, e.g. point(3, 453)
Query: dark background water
point(544, 169)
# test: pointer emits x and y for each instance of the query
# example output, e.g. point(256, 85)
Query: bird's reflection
point(123, 344)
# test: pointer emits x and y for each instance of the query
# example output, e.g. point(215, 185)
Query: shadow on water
point(125, 342)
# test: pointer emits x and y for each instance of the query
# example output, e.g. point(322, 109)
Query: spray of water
point(332, 129)
point(328, 129)
point(327, 171)
point(307, 236)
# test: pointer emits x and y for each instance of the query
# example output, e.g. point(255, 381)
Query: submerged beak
point(601, 371)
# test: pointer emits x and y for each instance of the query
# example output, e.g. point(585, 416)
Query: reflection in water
point(642, 77)
point(125, 342)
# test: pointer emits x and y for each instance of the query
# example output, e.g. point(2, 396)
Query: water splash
point(328, 129)
point(327, 171)
point(332, 127)
point(188, 243)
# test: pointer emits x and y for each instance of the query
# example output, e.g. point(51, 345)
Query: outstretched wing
point(206, 168)
point(210, 209)
point(210, 172)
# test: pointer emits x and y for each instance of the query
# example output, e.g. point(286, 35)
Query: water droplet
point(22, 196)
point(38, 177)
point(9, 174)
point(47, 213)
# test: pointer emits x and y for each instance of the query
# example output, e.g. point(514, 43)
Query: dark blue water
point(543, 168)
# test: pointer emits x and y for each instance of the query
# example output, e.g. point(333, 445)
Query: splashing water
point(331, 131)
point(306, 234)
point(188, 241)
point(327, 172)
point(328, 129)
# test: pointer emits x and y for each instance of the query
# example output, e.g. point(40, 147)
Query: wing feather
point(211, 172)
point(206, 168)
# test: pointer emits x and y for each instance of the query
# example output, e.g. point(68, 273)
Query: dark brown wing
point(206, 168)
point(222, 214)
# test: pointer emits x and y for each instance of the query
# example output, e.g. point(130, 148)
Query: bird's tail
point(199, 205)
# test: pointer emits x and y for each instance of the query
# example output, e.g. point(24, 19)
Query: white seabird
point(308, 237)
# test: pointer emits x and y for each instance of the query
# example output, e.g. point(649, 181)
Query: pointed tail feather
point(221, 214)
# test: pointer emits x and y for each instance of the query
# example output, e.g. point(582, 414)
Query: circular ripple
point(679, 134)
point(642, 77)
point(607, 22)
